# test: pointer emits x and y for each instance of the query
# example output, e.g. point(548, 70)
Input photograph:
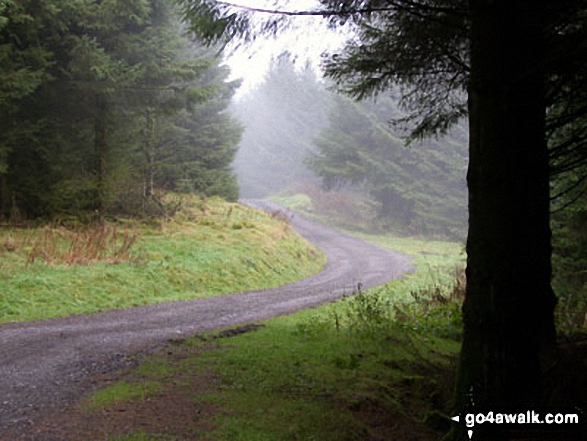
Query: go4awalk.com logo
point(525, 423)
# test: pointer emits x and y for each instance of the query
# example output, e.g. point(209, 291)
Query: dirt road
point(45, 365)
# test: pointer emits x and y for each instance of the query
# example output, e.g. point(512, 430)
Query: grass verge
point(375, 366)
point(208, 247)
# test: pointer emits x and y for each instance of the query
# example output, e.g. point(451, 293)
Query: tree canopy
point(433, 66)
point(93, 96)
point(419, 189)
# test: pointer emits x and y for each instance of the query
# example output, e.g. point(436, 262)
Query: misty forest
point(375, 246)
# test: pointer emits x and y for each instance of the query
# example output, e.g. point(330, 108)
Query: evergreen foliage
point(569, 222)
point(89, 92)
point(419, 189)
point(198, 145)
point(282, 116)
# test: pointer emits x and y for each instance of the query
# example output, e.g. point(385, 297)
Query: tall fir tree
point(281, 115)
point(419, 189)
point(93, 82)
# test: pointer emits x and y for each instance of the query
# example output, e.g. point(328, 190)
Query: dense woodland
point(298, 130)
point(102, 103)
point(420, 188)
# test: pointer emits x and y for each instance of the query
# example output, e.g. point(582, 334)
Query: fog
point(334, 157)
point(281, 115)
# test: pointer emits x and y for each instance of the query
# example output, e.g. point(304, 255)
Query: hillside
point(206, 248)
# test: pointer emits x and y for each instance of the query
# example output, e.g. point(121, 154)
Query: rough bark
point(508, 311)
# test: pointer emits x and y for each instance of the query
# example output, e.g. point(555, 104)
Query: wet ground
point(45, 366)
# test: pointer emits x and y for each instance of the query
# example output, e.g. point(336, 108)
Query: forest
point(325, 146)
point(99, 105)
point(321, 138)
point(124, 155)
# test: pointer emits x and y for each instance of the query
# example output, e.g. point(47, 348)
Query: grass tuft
point(120, 393)
point(80, 245)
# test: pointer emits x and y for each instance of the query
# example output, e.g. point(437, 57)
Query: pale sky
point(308, 39)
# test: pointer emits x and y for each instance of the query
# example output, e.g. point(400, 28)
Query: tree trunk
point(508, 310)
point(149, 152)
point(4, 196)
point(100, 154)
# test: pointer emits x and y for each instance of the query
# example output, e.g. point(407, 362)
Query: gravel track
point(46, 365)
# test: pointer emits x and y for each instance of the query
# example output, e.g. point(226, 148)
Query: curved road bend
point(45, 365)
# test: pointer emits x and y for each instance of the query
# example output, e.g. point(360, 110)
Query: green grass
point(348, 210)
point(420, 247)
point(265, 417)
point(336, 208)
point(350, 370)
point(293, 380)
point(326, 373)
point(370, 366)
point(122, 392)
point(298, 202)
point(209, 247)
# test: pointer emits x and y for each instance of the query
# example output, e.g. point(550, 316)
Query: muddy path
point(46, 365)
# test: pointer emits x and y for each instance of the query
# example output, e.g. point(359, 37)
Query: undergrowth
point(382, 360)
point(427, 310)
point(207, 247)
point(375, 365)
point(347, 211)
point(571, 309)
point(55, 244)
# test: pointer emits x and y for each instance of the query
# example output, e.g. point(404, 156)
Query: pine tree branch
point(570, 188)
point(395, 5)
point(570, 203)
point(317, 13)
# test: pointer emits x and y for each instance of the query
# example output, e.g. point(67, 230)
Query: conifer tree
point(281, 115)
point(419, 189)
point(501, 55)
point(86, 87)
